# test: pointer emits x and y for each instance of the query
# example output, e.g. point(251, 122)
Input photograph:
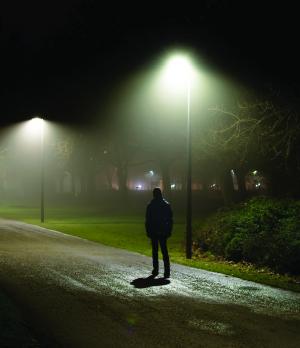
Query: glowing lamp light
point(34, 127)
point(178, 72)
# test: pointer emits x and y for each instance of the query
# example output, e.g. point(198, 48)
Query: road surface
point(76, 293)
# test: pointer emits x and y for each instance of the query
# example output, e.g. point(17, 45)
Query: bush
point(262, 231)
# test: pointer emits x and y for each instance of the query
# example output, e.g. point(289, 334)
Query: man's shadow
point(142, 283)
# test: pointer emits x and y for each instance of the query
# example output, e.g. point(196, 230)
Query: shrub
point(263, 231)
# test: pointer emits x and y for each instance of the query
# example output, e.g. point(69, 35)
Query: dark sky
point(61, 58)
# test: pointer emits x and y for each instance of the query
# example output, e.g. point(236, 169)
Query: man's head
point(157, 193)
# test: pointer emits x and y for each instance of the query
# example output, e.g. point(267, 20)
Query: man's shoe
point(155, 273)
point(167, 274)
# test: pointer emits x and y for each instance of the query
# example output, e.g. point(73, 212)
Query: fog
point(136, 142)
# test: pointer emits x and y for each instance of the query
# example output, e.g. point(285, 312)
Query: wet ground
point(76, 293)
point(14, 331)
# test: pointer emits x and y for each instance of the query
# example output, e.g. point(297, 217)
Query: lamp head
point(35, 126)
point(178, 71)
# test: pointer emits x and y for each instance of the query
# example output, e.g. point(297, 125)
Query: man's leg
point(164, 250)
point(155, 255)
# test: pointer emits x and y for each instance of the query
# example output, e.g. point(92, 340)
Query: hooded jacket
point(159, 219)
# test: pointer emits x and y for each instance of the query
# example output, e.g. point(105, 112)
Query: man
point(159, 224)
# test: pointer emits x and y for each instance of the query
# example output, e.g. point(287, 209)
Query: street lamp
point(179, 72)
point(36, 128)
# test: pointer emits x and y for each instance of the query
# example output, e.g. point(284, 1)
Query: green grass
point(127, 232)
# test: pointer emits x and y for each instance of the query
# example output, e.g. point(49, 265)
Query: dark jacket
point(159, 219)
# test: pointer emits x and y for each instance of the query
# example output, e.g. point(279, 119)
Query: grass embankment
point(127, 232)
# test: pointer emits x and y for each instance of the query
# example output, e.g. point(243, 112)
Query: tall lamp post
point(179, 71)
point(188, 249)
point(36, 125)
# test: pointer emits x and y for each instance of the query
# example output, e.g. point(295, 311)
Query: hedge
point(262, 231)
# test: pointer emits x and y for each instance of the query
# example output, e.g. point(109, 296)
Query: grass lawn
point(127, 232)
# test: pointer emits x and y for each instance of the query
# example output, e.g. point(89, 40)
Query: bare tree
point(247, 135)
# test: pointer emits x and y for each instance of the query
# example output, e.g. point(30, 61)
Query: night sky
point(63, 58)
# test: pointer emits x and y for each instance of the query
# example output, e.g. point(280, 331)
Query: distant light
point(173, 186)
point(232, 172)
point(257, 185)
point(138, 187)
point(151, 172)
point(254, 172)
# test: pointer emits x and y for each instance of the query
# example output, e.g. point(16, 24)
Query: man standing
point(159, 224)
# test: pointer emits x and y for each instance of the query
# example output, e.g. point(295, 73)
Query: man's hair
point(157, 193)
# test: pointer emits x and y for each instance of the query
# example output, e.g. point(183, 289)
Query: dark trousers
point(164, 251)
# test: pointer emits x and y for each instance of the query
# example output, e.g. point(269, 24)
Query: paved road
point(80, 294)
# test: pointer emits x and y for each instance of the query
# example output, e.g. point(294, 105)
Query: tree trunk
point(61, 184)
point(240, 175)
point(165, 173)
point(275, 182)
point(227, 187)
point(122, 174)
point(108, 175)
point(73, 184)
point(82, 185)
point(205, 184)
point(91, 184)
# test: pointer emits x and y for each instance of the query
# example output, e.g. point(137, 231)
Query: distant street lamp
point(179, 71)
point(36, 127)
